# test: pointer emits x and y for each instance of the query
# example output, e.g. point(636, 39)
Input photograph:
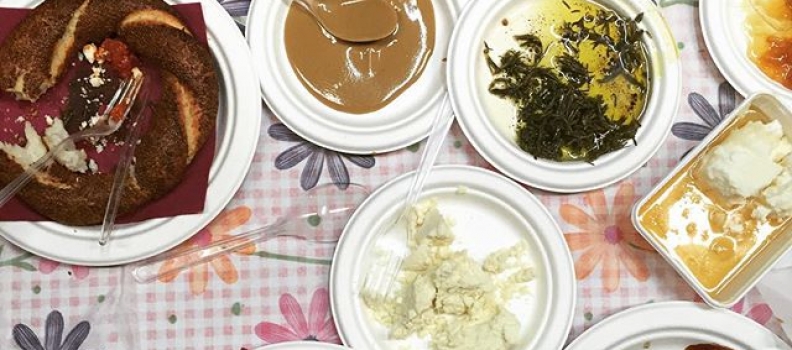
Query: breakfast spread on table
point(447, 296)
point(110, 38)
point(580, 79)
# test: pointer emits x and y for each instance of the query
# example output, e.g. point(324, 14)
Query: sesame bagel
point(34, 57)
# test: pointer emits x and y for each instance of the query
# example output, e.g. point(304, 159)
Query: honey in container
point(722, 216)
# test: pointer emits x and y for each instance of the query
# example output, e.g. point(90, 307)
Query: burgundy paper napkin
point(187, 198)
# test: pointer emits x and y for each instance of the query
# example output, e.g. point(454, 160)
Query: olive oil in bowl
point(579, 78)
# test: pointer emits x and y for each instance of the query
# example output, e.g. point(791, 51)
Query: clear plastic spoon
point(319, 215)
point(354, 20)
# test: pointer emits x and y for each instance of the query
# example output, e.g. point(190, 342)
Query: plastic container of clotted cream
point(721, 262)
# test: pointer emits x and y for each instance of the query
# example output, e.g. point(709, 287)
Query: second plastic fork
point(380, 279)
point(122, 168)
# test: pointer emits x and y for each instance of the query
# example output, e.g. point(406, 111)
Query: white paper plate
point(494, 213)
point(726, 36)
point(405, 121)
point(302, 345)
point(675, 325)
point(487, 120)
point(239, 121)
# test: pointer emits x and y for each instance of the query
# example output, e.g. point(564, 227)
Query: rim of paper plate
point(677, 324)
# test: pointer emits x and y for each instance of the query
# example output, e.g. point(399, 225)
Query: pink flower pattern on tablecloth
point(47, 266)
point(760, 312)
point(607, 237)
point(318, 326)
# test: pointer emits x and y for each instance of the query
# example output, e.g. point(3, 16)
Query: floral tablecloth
point(277, 291)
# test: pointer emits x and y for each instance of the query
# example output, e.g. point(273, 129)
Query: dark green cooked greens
point(557, 117)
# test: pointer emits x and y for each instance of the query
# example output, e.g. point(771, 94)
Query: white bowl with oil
point(488, 121)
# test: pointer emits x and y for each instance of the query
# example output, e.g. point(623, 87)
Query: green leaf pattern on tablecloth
point(236, 309)
point(291, 258)
point(19, 261)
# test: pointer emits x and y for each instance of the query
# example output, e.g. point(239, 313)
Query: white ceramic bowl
point(403, 122)
point(494, 213)
point(487, 120)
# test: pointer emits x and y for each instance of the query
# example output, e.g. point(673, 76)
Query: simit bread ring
point(35, 55)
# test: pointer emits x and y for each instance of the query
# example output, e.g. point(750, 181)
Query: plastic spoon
point(354, 20)
point(317, 216)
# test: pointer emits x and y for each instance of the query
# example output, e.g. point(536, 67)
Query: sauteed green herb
point(560, 117)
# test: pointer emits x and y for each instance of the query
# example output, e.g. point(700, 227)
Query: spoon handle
point(442, 123)
point(179, 260)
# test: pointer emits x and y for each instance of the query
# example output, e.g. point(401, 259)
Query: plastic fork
point(107, 124)
point(122, 168)
point(328, 205)
point(379, 281)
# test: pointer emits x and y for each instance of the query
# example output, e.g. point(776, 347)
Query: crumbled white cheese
point(507, 258)
point(93, 166)
point(20, 119)
point(96, 79)
point(49, 120)
point(69, 156)
point(779, 194)
point(761, 213)
point(33, 150)
point(448, 296)
point(756, 148)
point(461, 190)
point(89, 51)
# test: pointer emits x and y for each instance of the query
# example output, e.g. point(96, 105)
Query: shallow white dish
point(726, 36)
point(302, 345)
point(675, 325)
point(487, 120)
point(740, 282)
point(238, 126)
point(494, 213)
point(403, 122)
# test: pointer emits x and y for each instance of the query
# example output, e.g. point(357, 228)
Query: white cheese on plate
point(33, 150)
point(779, 194)
point(447, 296)
point(69, 156)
